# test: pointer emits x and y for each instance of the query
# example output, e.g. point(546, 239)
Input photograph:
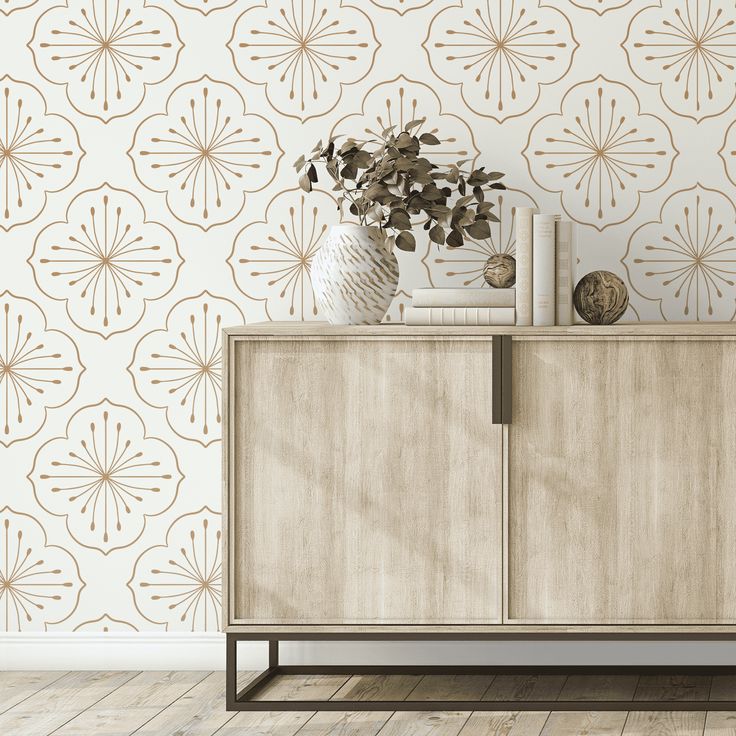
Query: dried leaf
point(437, 235)
point(405, 241)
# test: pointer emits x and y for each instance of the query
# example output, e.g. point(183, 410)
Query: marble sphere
point(500, 271)
point(600, 298)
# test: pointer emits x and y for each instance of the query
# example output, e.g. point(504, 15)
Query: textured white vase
point(354, 275)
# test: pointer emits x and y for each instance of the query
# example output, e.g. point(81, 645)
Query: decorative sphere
point(500, 271)
point(600, 298)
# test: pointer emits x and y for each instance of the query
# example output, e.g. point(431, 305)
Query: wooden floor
point(192, 704)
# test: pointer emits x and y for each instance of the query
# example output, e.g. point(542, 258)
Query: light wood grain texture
point(672, 687)
point(723, 687)
point(620, 505)
point(525, 687)
point(61, 701)
point(645, 329)
point(599, 687)
point(377, 687)
point(16, 686)
point(425, 723)
point(198, 712)
point(132, 705)
point(664, 723)
point(585, 723)
point(342, 723)
point(302, 687)
point(720, 723)
point(451, 687)
point(498, 631)
point(265, 723)
point(509, 723)
point(325, 483)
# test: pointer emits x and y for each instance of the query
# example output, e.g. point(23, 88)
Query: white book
point(462, 316)
point(563, 276)
point(463, 297)
point(543, 270)
point(523, 255)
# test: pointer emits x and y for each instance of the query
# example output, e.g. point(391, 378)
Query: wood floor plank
point(60, 701)
point(344, 723)
point(265, 723)
point(302, 687)
point(16, 686)
point(525, 687)
point(585, 723)
point(723, 687)
point(599, 687)
point(425, 723)
point(377, 687)
point(505, 723)
point(720, 723)
point(664, 723)
point(451, 687)
point(673, 687)
point(198, 712)
point(132, 705)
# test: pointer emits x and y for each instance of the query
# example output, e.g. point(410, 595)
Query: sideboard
point(393, 482)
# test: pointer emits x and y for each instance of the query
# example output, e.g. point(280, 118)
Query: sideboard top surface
point(633, 329)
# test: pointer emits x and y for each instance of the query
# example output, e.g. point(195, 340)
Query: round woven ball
point(500, 271)
point(601, 298)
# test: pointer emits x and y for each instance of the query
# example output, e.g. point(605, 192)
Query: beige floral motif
point(8, 6)
point(401, 100)
point(180, 582)
point(273, 257)
point(304, 52)
point(40, 153)
point(401, 6)
point(205, 152)
point(686, 260)
point(600, 152)
point(105, 624)
point(39, 368)
point(501, 52)
point(179, 368)
point(106, 261)
point(106, 52)
point(207, 6)
point(464, 266)
point(600, 6)
point(39, 582)
point(688, 48)
point(728, 152)
point(106, 476)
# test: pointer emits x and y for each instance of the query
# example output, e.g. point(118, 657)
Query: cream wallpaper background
point(148, 199)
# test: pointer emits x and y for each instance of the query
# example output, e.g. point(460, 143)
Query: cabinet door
point(367, 482)
point(622, 482)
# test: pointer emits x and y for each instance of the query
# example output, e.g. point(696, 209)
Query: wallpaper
point(148, 199)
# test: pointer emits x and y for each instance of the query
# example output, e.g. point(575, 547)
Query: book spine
point(459, 316)
point(563, 260)
point(543, 270)
point(523, 255)
point(463, 297)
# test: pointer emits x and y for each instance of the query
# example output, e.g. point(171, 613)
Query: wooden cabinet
point(622, 482)
point(369, 488)
point(366, 481)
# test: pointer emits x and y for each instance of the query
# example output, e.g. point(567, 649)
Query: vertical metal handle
point(501, 379)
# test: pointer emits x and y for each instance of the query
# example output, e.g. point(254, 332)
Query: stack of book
point(544, 283)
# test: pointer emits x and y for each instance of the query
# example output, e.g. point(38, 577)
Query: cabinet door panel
point(622, 482)
point(367, 482)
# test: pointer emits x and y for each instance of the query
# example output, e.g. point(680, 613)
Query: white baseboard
point(112, 651)
point(206, 651)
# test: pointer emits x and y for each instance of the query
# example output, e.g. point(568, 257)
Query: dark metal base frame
point(245, 698)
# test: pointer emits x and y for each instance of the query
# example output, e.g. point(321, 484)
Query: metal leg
point(247, 698)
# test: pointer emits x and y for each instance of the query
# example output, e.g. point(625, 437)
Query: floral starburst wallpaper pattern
point(147, 199)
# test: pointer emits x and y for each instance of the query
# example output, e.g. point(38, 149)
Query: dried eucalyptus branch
point(386, 182)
